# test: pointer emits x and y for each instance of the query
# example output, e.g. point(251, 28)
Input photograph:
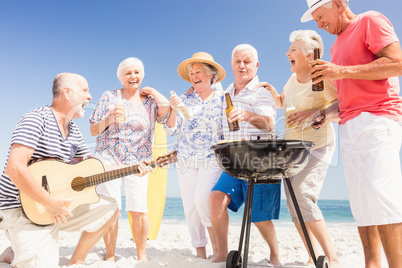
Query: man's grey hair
point(208, 68)
point(311, 40)
point(65, 80)
point(130, 62)
point(246, 47)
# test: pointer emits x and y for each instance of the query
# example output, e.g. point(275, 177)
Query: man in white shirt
point(255, 111)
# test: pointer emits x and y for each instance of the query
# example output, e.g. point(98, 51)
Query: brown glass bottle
point(233, 126)
point(320, 85)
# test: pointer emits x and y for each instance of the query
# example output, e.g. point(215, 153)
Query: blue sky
point(39, 39)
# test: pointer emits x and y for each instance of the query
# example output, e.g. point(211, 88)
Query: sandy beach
point(172, 248)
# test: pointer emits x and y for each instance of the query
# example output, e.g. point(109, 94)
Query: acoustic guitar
point(75, 181)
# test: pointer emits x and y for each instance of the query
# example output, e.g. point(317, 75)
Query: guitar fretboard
point(112, 175)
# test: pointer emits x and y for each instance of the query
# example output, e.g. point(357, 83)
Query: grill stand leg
point(246, 223)
point(299, 215)
point(249, 206)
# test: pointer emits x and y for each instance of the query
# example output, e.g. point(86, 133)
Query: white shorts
point(36, 246)
point(135, 189)
point(370, 147)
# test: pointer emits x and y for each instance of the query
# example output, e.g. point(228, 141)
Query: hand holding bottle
point(233, 125)
point(320, 85)
point(176, 101)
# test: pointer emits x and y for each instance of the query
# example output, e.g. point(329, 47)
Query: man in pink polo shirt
point(366, 60)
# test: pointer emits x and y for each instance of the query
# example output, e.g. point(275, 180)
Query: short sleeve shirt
point(365, 36)
point(38, 129)
point(256, 100)
point(130, 142)
point(302, 98)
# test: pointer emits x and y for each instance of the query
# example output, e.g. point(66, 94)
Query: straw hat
point(312, 5)
point(202, 57)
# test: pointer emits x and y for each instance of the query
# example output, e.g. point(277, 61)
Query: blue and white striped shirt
point(38, 129)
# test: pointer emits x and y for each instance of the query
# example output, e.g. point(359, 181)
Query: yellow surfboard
point(157, 185)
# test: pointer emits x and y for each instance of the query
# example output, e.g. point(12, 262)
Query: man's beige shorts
point(36, 246)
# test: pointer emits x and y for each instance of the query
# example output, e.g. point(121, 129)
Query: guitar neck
point(113, 174)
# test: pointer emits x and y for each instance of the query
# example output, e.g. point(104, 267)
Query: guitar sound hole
point(78, 184)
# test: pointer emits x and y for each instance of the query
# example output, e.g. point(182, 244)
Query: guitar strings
point(86, 181)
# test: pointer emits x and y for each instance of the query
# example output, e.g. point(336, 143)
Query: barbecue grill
point(262, 162)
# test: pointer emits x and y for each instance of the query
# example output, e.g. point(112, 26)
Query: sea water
point(334, 211)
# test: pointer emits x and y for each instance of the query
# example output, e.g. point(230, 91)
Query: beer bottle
point(181, 107)
point(320, 85)
point(233, 126)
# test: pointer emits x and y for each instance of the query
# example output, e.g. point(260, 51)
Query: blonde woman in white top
point(299, 102)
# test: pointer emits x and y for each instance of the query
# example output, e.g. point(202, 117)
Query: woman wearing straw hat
point(302, 101)
point(197, 168)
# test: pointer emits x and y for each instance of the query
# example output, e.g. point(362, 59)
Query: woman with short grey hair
point(124, 137)
point(311, 40)
point(300, 102)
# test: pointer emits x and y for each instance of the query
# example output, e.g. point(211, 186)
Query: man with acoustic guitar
point(49, 132)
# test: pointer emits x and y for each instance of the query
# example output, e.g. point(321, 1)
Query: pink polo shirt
point(365, 36)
